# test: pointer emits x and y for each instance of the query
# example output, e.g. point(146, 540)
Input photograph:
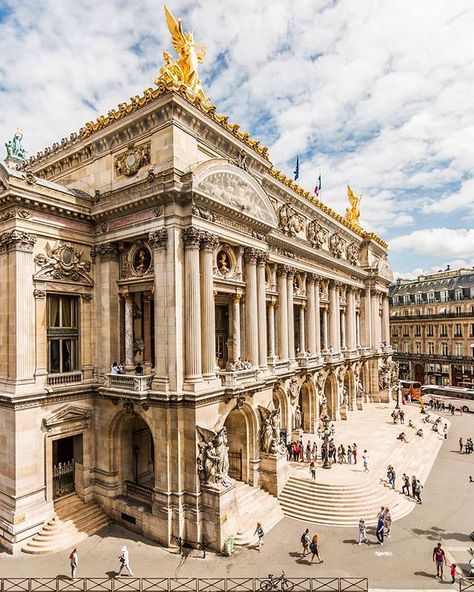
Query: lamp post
point(325, 433)
point(398, 386)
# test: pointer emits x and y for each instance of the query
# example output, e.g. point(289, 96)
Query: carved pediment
point(233, 187)
point(63, 262)
point(67, 415)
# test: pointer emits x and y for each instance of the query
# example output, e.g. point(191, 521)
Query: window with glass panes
point(63, 333)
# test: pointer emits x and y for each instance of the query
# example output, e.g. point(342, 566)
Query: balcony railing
point(437, 315)
point(130, 385)
point(433, 357)
point(64, 378)
point(238, 378)
point(138, 492)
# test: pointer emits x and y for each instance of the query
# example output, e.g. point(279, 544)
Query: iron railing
point(133, 584)
point(466, 584)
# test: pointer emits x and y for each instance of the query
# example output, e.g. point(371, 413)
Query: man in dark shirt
point(439, 557)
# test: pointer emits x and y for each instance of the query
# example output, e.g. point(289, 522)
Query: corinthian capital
point(250, 255)
point(282, 270)
point(17, 240)
point(191, 237)
point(106, 251)
point(262, 257)
point(209, 241)
point(158, 238)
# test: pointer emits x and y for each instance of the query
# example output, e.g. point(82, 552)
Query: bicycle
point(277, 583)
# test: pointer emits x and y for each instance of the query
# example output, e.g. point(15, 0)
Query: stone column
point(317, 312)
point(342, 329)
point(192, 304)
point(310, 292)
point(251, 309)
point(282, 313)
point(334, 316)
point(375, 319)
point(366, 318)
point(236, 326)
point(41, 339)
point(86, 336)
point(291, 314)
point(271, 331)
point(146, 332)
point(302, 329)
point(324, 328)
point(158, 240)
point(19, 306)
point(262, 309)
point(128, 298)
point(351, 337)
point(208, 242)
point(385, 320)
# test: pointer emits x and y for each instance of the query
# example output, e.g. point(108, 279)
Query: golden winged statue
point(353, 210)
point(190, 55)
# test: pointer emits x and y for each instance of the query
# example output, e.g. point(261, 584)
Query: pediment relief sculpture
point(68, 415)
point(316, 234)
point(63, 262)
point(130, 162)
point(289, 221)
point(352, 253)
point(336, 245)
point(234, 191)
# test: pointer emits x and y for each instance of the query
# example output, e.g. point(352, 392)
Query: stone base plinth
point(343, 411)
point(219, 514)
point(274, 472)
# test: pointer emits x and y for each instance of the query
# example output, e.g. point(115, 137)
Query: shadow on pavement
point(434, 534)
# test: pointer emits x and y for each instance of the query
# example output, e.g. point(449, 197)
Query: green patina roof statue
point(14, 148)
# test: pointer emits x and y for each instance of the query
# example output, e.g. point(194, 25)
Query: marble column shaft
point(317, 313)
point(351, 321)
point(128, 331)
point(334, 317)
point(251, 308)
point(310, 292)
point(262, 310)
point(291, 314)
point(208, 242)
point(366, 318)
point(385, 320)
point(159, 240)
point(271, 330)
point(282, 313)
point(236, 327)
point(302, 329)
point(192, 292)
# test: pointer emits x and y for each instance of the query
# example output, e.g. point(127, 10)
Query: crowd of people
point(465, 447)
point(120, 369)
point(297, 451)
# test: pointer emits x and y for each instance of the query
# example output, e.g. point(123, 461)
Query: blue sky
point(375, 93)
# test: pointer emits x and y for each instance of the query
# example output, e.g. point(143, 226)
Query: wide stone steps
point(255, 505)
point(73, 521)
point(340, 505)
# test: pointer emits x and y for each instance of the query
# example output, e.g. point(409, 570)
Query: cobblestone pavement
point(404, 562)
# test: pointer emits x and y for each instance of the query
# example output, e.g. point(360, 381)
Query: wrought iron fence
point(133, 584)
point(63, 479)
point(466, 584)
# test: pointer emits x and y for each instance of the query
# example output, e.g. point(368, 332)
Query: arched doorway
point(241, 441)
point(137, 453)
point(330, 392)
point(307, 403)
point(419, 373)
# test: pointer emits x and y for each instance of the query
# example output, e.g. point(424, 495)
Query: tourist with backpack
point(305, 542)
point(314, 548)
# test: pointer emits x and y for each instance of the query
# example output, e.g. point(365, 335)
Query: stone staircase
point(255, 505)
point(73, 521)
point(340, 505)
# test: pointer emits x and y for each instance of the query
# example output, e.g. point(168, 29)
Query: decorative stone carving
point(213, 457)
point(297, 418)
point(316, 234)
point(15, 150)
point(241, 160)
point(30, 178)
point(224, 263)
point(191, 237)
point(14, 213)
point(158, 211)
point(208, 240)
point(158, 238)
point(203, 213)
point(63, 262)
point(131, 162)
point(17, 240)
point(106, 251)
point(336, 245)
point(352, 253)
point(270, 430)
point(289, 221)
point(39, 293)
point(385, 374)
point(250, 255)
point(293, 391)
point(66, 418)
point(232, 190)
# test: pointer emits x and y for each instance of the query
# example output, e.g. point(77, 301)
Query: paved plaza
point(403, 562)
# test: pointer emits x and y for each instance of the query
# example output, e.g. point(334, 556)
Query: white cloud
point(435, 242)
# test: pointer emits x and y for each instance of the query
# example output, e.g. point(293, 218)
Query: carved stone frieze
point(289, 221)
point(130, 162)
point(203, 213)
point(336, 245)
point(316, 234)
point(63, 262)
point(17, 240)
point(14, 213)
point(158, 239)
point(352, 253)
point(106, 251)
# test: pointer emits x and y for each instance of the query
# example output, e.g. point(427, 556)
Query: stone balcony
point(128, 386)
point(239, 378)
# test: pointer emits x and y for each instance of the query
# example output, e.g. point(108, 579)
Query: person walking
point(260, 535)
point(124, 562)
point(380, 529)
point(314, 548)
point(452, 569)
point(354, 452)
point(406, 484)
point(418, 488)
point(349, 455)
point(413, 485)
point(305, 542)
point(439, 557)
point(312, 471)
point(461, 445)
point(388, 522)
point(445, 431)
point(363, 538)
point(73, 562)
point(365, 461)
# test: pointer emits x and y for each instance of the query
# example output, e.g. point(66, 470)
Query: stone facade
point(432, 327)
point(165, 239)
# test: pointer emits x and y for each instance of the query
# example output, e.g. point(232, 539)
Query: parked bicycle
point(277, 583)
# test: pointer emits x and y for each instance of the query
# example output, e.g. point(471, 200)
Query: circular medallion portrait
point(223, 262)
point(141, 261)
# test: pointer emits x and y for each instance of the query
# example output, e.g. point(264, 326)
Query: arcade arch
point(242, 433)
point(330, 392)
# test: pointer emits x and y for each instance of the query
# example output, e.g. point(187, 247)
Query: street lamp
point(325, 434)
point(398, 386)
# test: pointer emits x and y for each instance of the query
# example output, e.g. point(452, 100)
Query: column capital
point(106, 251)
point(262, 257)
point(335, 283)
point(236, 297)
point(191, 237)
point(313, 278)
point(209, 241)
point(39, 293)
point(250, 255)
point(282, 270)
point(17, 240)
point(290, 272)
point(158, 238)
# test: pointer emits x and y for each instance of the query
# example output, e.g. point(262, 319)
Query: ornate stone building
point(162, 234)
point(432, 327)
